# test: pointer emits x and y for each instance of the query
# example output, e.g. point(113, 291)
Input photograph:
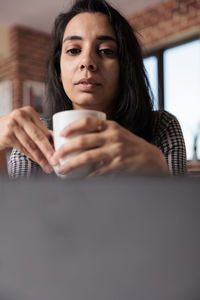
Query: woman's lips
point(87, 85)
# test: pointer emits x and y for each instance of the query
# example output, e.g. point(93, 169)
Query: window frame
point(159, 54)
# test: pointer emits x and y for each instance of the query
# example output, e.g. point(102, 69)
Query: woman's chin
point(89, 103)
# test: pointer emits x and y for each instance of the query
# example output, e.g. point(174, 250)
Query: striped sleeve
point(168, 137)
point(20, 166)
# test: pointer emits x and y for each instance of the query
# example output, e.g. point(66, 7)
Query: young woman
point(96, 63)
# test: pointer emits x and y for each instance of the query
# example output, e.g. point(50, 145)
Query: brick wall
point(26, 61)
point(168, 21)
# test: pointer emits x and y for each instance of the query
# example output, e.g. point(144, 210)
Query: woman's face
point(89, 62)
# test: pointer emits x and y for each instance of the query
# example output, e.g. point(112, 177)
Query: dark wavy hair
point(133, 107)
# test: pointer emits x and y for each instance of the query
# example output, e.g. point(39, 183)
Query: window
point(178, 79)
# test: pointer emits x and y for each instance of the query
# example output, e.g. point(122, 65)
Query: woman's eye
point(106, 51)
point(73, 51)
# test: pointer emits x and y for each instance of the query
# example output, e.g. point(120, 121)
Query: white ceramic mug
point(60, 121)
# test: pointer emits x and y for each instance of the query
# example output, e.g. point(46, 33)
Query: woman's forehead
point(89, 23)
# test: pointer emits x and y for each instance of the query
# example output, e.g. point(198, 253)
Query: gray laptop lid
point(106, 239)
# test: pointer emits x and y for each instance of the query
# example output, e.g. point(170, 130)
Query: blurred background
point(168, 31)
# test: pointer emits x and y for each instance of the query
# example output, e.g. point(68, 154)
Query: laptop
point(120, 238)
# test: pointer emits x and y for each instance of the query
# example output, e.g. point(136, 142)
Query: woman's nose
point(89, 67)
point(87, 62)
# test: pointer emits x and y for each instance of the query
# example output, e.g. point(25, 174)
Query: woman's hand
point(114, 149)
point(23, 129)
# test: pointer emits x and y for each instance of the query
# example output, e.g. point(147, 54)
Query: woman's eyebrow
point(100, 38)
point(106, 38)
point(72, 37)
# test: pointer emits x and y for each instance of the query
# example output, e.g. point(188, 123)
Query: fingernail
point(62, 170)
point(48, 169)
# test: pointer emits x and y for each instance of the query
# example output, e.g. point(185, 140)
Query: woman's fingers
point(36, 120)
point(79, 143)
point(26, 145)
point(40, 140)
point(101, 156)
point(35, 137)
point(107, 146)
point(104, 169)
point(23, 129)
point(81, 159)
point(120, 150)
point(22, 149)
point(88, 124)
point(89, 140)
point(113, 165)
point(46, 167)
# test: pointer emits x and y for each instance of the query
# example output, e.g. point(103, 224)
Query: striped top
point(167, 136)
